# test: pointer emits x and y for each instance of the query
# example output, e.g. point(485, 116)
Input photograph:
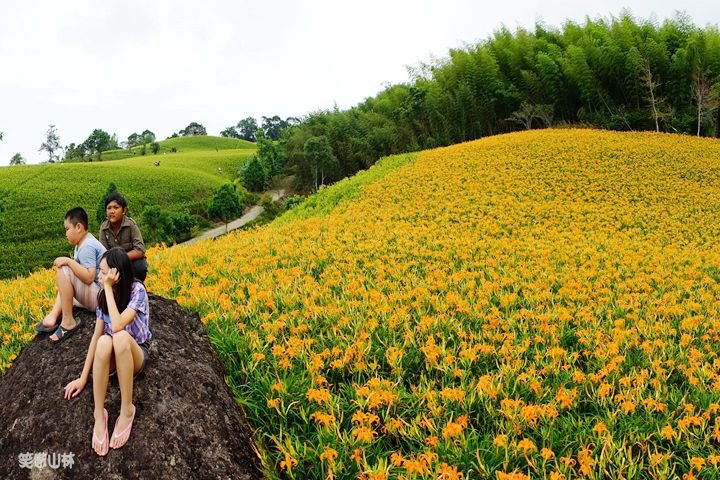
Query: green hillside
point(182, 144)
point(35, 197)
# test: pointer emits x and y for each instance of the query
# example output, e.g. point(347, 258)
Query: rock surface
point(187, 424)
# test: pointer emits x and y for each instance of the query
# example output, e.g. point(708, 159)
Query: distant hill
point(35, 197)
point(182, 144)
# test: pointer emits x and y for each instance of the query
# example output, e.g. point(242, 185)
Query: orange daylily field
point(542, 304)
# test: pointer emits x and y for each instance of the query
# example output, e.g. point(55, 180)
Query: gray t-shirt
point(89, 253)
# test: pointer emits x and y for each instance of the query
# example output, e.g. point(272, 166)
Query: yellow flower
point(328, 455)
point(500, 441)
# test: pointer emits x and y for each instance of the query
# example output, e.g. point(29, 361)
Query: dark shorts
point(145, 347)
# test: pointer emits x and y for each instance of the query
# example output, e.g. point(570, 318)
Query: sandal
point(40, 328)
point(105, 442)
point(62, 333)
point(127, 430)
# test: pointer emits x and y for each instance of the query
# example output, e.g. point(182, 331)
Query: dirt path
point(277, 193)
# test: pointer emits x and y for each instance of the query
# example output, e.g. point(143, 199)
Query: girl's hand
point(73, 388)
point(111, 278)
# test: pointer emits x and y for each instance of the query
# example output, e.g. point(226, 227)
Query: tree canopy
point(618, 73)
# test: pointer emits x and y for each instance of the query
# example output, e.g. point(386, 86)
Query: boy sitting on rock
point(77, 279)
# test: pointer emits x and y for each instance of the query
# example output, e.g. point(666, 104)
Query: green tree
point(230, 132)
point(320, 157)
point(157, 225)
point(194, 129)
point(100, 214)
point(148, 137)
point(75, 152)
point(155, 148)
point(253, 175)
point(270, 155)
point(273, 127)
point(225, 205)
point(51, 144)
point(98, 142)
point(133, 140)
point(17, 159)
point(247, 128)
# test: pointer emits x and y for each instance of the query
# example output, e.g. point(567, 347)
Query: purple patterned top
point(139, 328)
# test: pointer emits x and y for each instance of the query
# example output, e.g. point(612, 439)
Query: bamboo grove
point(618, 73)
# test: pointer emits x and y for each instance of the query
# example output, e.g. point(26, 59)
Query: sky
point(133, 65)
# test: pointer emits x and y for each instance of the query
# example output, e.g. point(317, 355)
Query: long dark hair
point(118, 258)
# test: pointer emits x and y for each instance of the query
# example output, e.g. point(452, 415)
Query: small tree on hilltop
point(230, 132)
point(155, 147)
point(225, 205)
point(99, 141)
point(17, 159)
point(192, 130)
point(51, 144)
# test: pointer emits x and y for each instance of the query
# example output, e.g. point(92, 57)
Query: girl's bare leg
point(101, 376)
point(128, 361)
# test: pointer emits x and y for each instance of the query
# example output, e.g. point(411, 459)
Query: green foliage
point(100, 214)
point(98, 142)
point(270, 155)
point(162, 226)
point(37, 196)
point(326, 199)
point(247, 128)
point(192, 130)
point(51, 144)
point(155, 148)
point(226, 204)
point(293, 202)
point(617, 73)
point(17, 159)
point(253, 175)
point(230, 132)
point(320, 158)
point(273, 127)
point(75, 152)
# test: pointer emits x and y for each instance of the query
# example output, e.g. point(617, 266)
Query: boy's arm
point(86, 274)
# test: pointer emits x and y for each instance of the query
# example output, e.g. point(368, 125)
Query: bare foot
point(49, 321)
point(100, 434)
point(123, 426)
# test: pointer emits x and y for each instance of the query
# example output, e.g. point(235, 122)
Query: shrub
point(253, 175)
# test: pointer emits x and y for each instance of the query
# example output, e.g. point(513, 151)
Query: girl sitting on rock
point(120, 343)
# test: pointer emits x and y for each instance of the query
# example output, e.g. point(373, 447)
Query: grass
point(181, 144)
point(35, 197)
